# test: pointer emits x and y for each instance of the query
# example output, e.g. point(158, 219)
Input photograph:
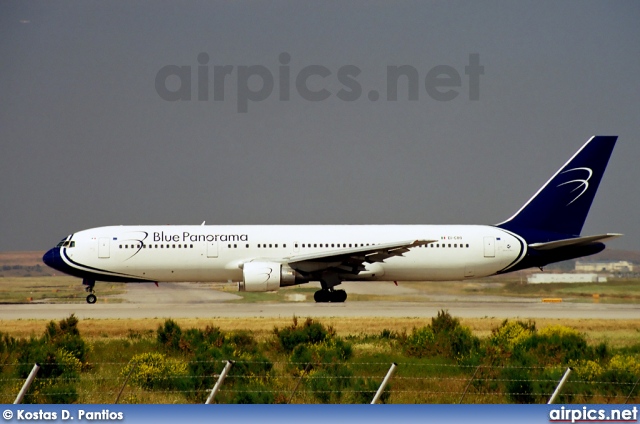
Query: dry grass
point(21, 258)
point(616, 333)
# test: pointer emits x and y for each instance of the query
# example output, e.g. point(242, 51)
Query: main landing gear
point(330, 295)
point(327, 294)
point(91, 298)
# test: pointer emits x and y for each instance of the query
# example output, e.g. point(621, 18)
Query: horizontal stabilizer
point(578, 241)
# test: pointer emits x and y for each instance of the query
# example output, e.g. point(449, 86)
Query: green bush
point(614, 378)
point(444, 322)
point(510, 334)
point(519, 386)
point(365, 389)
point(253, 394)
point(443, 337)
point(327, 385)
point(61, 353)
point(153, 371)
point(169, 335)
point(556, 345)
point(61, 393)
point(206, 351)
point(293, 335)
point(243, 341)
point(65, 335)
point(195, 340)
point(420, 343)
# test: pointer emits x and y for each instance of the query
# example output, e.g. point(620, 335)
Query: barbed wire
point(323, 377)
point(416, 387)
point(585, 395)
point(319, 364)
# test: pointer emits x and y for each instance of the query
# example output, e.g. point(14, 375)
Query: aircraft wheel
point(322, 296)
point(91, 298)
point(339, 296)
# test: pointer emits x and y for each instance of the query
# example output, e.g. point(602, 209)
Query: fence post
point(216, 388)
point(565, 377)
point(632, 389)
point(299, 381)
point(384, 383)
point(469, 384)
point(126, 380)
point(25, 386)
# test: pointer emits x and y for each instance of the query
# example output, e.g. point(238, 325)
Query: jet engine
point(268, 276)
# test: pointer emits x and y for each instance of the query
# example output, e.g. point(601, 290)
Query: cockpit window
point(66, 243)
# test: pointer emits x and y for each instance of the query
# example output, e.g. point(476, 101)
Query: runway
point(194, 301)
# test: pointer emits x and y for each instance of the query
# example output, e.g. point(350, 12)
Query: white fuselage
point(216, 253)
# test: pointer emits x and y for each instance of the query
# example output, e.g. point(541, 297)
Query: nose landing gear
point(91, 298)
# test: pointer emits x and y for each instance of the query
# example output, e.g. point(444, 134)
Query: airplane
point(266, 257)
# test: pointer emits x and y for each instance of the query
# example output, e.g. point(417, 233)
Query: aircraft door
point(489, 247)
point(212, 249)
point(103, 247)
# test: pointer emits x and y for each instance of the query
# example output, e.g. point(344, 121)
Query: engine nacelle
point(267, 276)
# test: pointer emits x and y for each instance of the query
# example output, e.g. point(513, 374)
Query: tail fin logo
point(582, 183)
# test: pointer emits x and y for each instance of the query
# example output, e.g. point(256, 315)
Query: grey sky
point(87, 141)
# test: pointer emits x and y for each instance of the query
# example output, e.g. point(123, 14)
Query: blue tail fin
point(562, 204)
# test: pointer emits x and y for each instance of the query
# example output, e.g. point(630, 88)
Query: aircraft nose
point(52, 258)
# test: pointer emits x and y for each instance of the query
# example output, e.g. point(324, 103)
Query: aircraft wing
point(351, 260)
point(578, 241)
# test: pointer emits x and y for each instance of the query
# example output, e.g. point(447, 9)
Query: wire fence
point(296, 382)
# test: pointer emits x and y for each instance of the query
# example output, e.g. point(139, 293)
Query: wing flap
point(352, 260)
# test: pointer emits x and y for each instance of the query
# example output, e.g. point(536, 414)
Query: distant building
point(618, 266)
point(547, 278)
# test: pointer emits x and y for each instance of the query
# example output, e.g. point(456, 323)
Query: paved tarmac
point(187, 300)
